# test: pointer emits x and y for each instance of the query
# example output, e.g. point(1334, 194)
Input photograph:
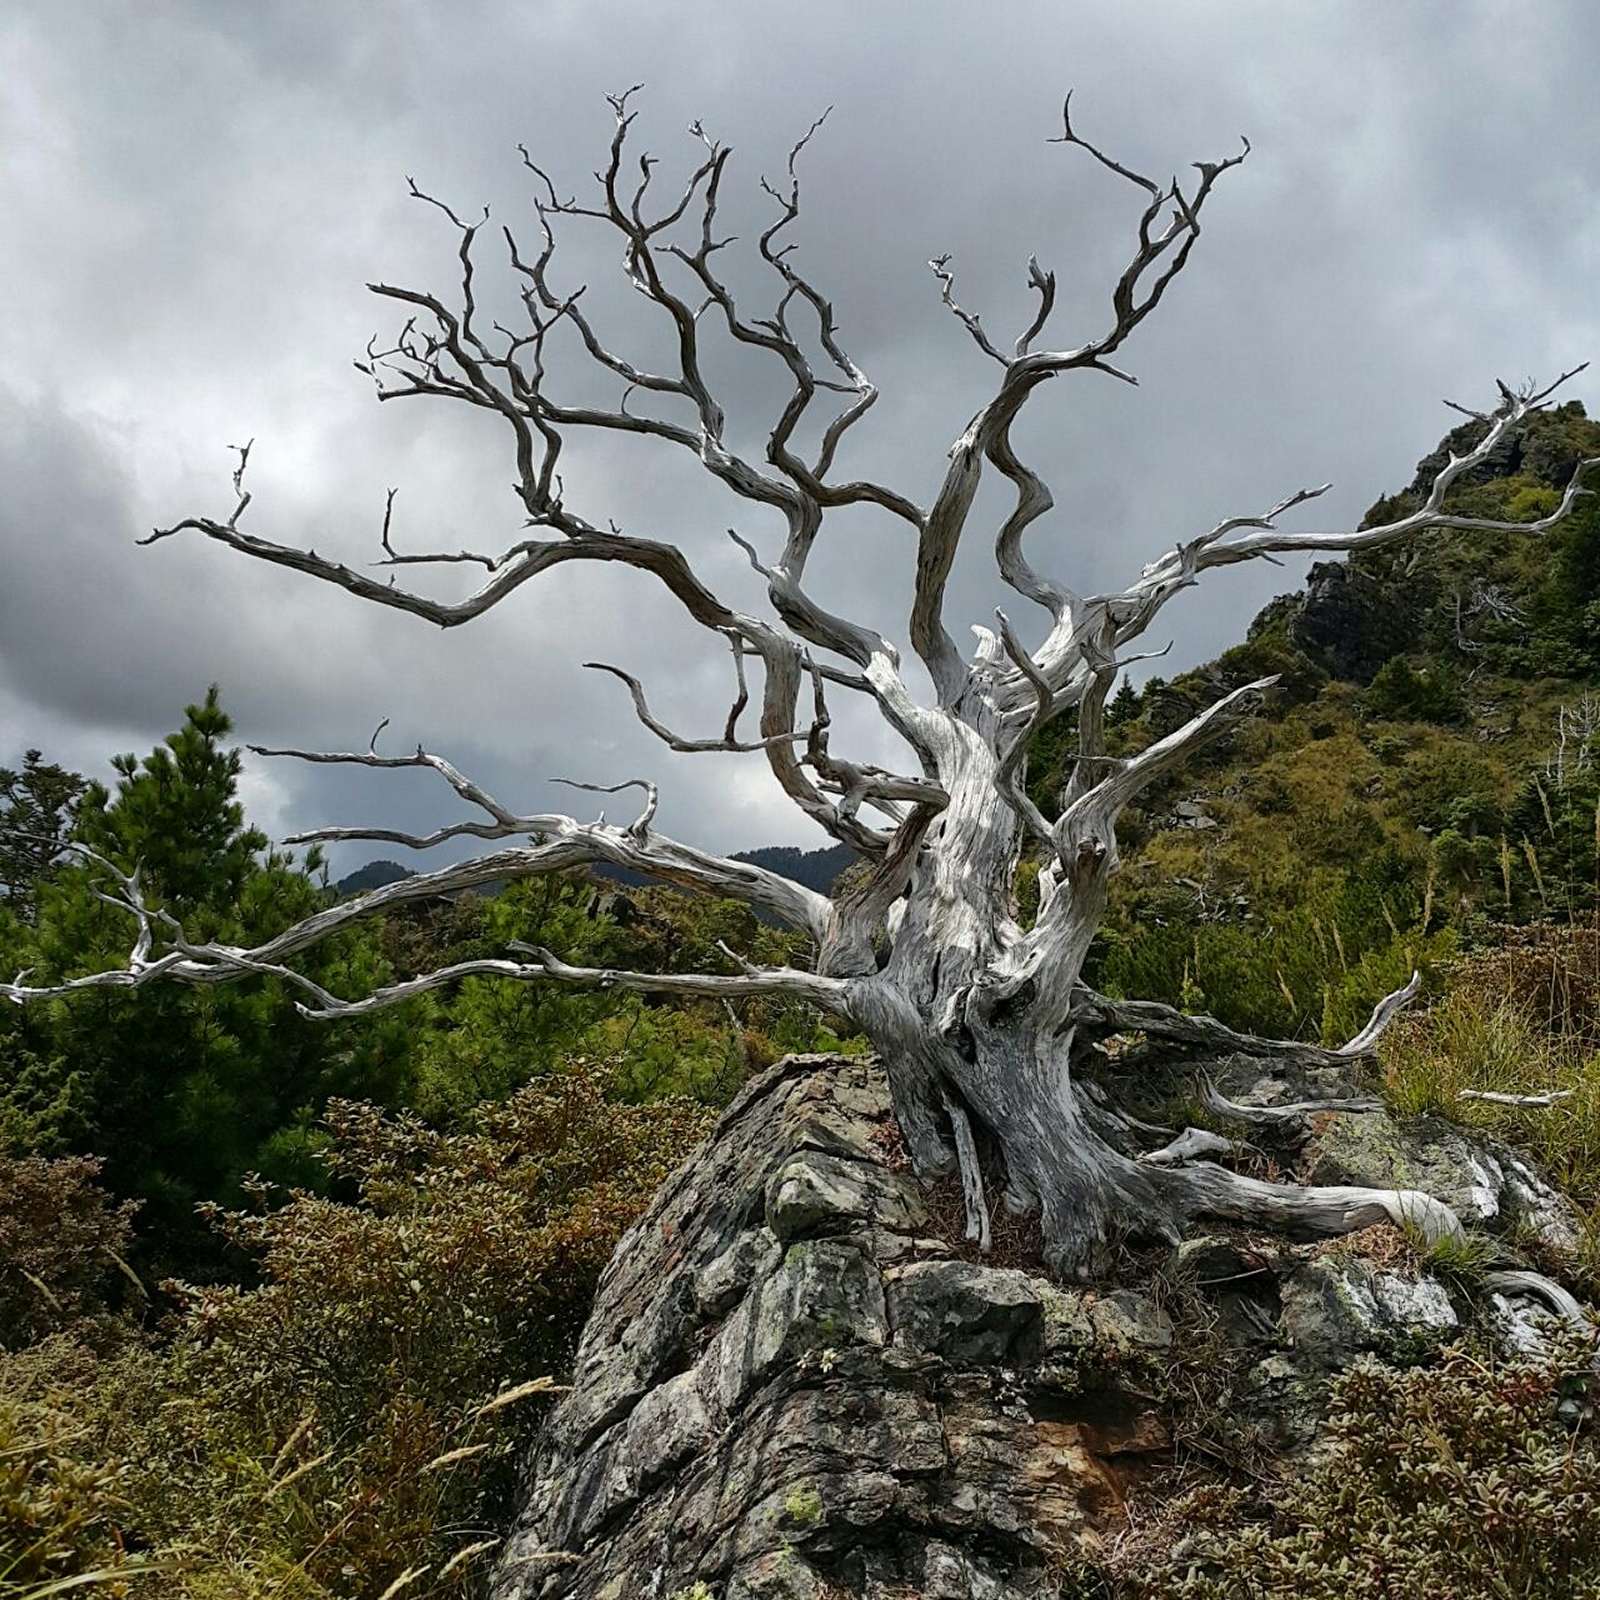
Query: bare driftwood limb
point(215, 962)
point(975, 1015)
point(1288, 1112)
point(977, 1207)
point(1191, 1145)
point(1564, 1305)
point(1551, 1097)
point(1094, 1012)
point(1206, 1190)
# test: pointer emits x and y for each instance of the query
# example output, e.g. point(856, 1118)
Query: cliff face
point(793, 1387)
point(1349, 622)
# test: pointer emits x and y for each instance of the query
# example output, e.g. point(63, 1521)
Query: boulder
point(792, 1387)
point(1335, 1308)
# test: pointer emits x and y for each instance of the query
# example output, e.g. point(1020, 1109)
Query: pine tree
point(37, 806)
point(184, 1091)
point(1124, 705)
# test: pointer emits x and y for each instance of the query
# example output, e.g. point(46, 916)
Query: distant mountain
point(373, 876)
point(816, 869)
point(1430, 768)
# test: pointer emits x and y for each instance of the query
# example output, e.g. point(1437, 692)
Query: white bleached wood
point(1207, 1190)
point(1552, 1097)
point(976, 1016)
point(1287, 1111)
point(1191, 1145)
point(1563, 1304)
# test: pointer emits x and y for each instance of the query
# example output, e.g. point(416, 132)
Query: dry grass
point(1014, 1241)
point(1521, 1019)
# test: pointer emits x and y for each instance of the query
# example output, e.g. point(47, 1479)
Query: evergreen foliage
point(182, 1091)
point(37, 805)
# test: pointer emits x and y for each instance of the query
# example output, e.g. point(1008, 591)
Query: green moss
point(803, 1505)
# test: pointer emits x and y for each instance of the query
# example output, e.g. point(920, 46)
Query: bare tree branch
point(691, 746)
point(1099, 807)
point(922, 946)
point(564, 842)
point(1260, 536)
point(576, 844)
point(825, 992)
point(1094, 1012)
point(1167, 230)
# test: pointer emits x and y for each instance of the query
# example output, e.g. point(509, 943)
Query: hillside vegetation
point(1430, 774)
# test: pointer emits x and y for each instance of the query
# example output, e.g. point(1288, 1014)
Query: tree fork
point(974, 1014)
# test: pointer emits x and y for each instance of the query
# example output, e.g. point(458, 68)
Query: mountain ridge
point(816, 869)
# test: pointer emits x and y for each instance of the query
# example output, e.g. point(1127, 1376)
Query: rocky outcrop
point(1350, 622)
point(1355, 615)
point(1490, 1186)
point(795, 1387)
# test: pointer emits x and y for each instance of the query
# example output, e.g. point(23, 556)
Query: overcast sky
point(194, 193)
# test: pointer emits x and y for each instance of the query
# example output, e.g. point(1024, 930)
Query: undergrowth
point(346, 1427)
point(1474, 1478)
point(1520, 1019)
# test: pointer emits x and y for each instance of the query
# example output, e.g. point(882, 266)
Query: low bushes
point(347, 1425)
point(1471, 1479)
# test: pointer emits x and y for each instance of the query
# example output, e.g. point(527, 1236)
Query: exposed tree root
point(1542, 1288)
point(1099, 1016)
point(1205, 1189)
point(977, 1207)
point(1213, 1100)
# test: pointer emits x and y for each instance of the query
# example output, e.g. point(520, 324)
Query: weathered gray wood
point(974, 1013)
point(1552, 1097)
point(1564, 1305)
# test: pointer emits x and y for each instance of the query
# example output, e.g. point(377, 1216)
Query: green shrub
point(356, 1414)
point(58, 1516)
point(1400, 693)
point(61, 1238)
point(1460, 1481)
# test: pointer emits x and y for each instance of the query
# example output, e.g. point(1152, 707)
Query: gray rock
point(791, 1389)
point(781, 1574)
point(1212, 1259)
point(1130, 1324)
point(722, 1284)
point(817, 1193)
point(1521, 1324)
point(1334, 1309)
point(1379, 1151)
point(949, 1574)
point(824, 1296)
point(979, 1316)
point(1069, 1345)
point(1535, 1206)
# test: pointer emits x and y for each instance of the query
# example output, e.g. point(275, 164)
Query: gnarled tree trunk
point(975, 1015)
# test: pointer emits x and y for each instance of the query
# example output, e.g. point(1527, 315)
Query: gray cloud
point(194, 195)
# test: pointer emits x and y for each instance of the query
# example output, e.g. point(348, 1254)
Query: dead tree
point(974, 1012)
